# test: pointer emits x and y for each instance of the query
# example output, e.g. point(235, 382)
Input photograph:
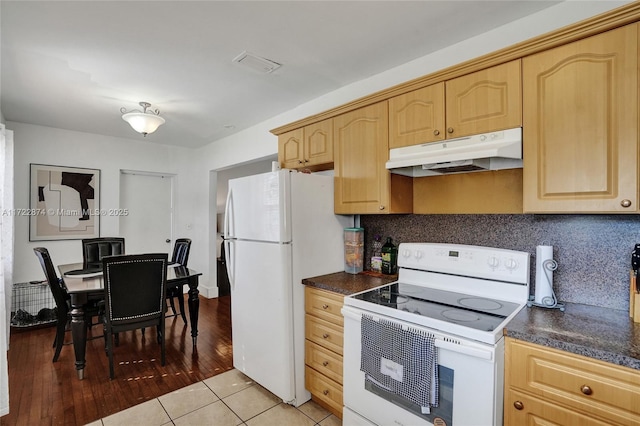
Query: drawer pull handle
point(436, 132)
point(586, 390)
point(325, 336)
point(519, 405)
point(625, 203)
point(325, 363)
point(325, 392)
point(325, 306)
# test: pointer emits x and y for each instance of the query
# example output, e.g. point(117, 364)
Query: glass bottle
point(376, 257)
point(389, 257)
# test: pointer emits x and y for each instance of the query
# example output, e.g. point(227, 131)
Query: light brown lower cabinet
point(545, 386)
point(324, 391)
point(324, 333)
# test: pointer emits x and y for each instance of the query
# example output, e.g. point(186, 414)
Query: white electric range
point(460, 297)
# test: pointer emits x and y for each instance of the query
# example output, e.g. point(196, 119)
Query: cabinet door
point(581, 125)
point(328, 392)
point(361, 150)
point(522, 409)
point(324, 304)
point(318, 143)
point(584, 385)
point(417, 117)
point(323, 360)
point(484, 101)
point(324, 333)
point(291, 149)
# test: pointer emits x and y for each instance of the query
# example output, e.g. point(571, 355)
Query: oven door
point(470, 382)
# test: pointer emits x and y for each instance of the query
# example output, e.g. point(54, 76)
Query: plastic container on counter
point(353, 250)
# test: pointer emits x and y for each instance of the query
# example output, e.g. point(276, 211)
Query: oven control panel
point(475, 261)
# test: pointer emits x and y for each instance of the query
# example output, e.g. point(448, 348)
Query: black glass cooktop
point(471, 311)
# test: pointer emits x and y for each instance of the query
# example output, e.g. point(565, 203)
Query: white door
point(147, 228)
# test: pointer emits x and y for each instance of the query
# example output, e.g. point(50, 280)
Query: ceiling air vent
point(256, 63)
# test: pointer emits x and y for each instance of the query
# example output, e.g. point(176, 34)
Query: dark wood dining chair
point(135, 291)
point(62, 298)
point(94, 249)
point(180, 256)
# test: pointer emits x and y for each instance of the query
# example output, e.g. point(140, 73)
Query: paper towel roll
point(544, 276)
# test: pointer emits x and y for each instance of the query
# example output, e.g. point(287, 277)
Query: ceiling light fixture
point(146, 121)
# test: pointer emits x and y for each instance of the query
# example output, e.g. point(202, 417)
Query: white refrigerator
point(279, 228)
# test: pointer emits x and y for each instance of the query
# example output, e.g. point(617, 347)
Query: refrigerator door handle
point(229, 260)
point(227, 252)
point(227, 209)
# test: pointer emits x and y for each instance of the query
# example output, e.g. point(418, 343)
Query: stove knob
point(418, 254)
point(406, 253)
point(493, 262)
point(511, 264)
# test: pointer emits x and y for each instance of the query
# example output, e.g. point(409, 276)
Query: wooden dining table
point(84, 288)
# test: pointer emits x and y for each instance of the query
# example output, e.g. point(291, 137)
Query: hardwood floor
point(42, 392)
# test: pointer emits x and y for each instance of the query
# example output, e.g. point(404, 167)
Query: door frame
point(172, 177)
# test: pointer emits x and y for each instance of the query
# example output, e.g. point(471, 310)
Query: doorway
point(147, 199)
point(219, 183)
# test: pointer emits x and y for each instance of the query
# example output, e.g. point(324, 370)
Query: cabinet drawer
point(534, 411)
point(591, 386)
point(324, 304)
point(326, 390)
point(323, 360)
point(324, 334)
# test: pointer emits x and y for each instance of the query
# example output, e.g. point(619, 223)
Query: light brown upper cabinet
point(362, 183)
point(417, 117)
point(480, 102)
point(291, 149)
point(581, 126)
point(484, 101)
point(310, 147)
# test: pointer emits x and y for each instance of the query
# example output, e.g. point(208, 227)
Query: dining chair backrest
point(180, 256)
point(135, 289)
point(181, 251)
point(94, 249)
point(60, 295)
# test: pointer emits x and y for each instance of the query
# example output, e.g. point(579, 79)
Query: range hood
point(487, 151)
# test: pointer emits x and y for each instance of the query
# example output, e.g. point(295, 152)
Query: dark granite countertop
point(600, 333)
point(344, 283)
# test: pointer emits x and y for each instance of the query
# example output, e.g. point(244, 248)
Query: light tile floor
point(230, 398)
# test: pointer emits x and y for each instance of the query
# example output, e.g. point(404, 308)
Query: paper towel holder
point(547, 266)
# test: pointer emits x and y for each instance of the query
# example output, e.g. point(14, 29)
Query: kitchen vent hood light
point(256, 63)
point(490, 151)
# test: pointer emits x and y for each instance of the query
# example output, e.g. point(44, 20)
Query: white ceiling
point(73, 65)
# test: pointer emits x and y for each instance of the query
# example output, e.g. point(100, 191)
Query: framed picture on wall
point(64, 203)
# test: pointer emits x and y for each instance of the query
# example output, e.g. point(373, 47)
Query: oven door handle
point(474, 352)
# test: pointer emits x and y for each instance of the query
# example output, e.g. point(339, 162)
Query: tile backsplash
point(593, 251)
